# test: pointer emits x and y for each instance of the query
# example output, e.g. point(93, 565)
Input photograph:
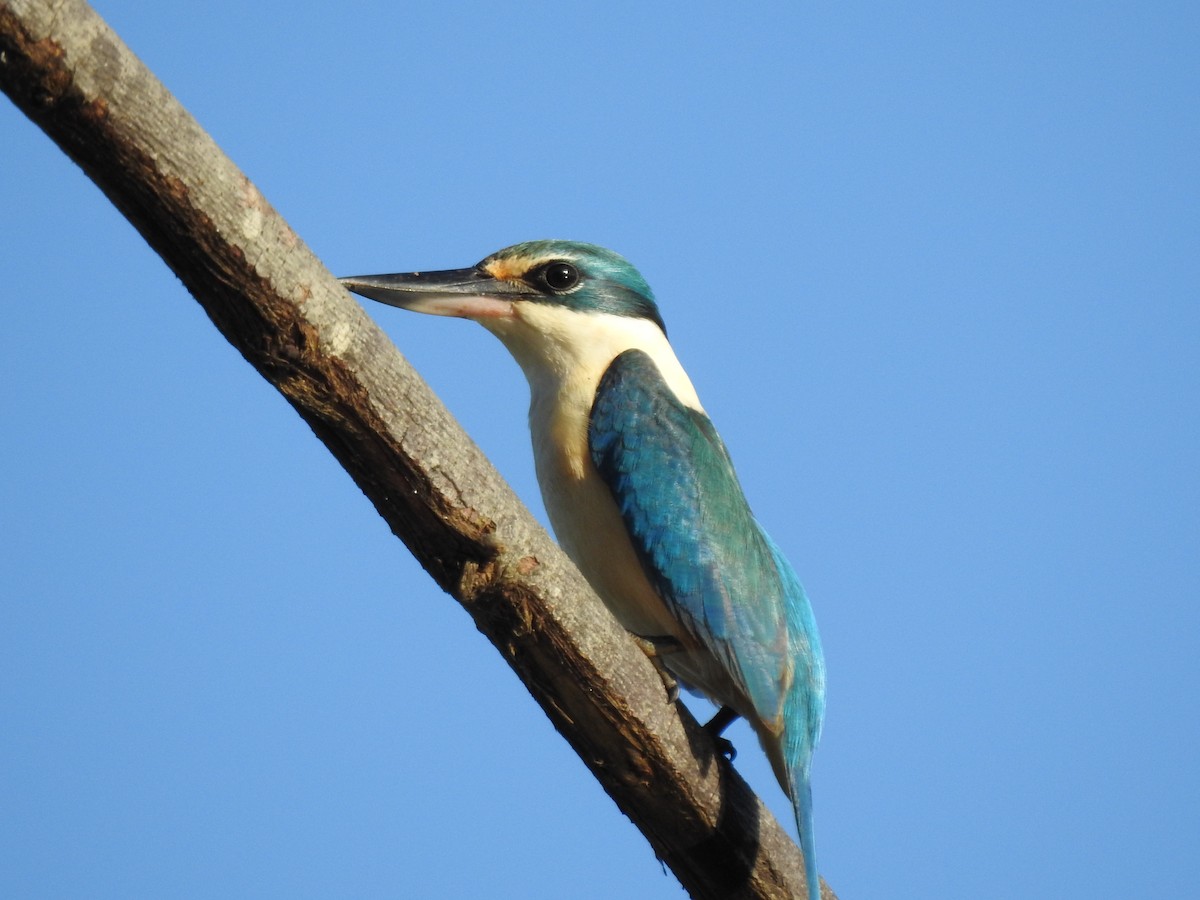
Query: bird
point(641, 491)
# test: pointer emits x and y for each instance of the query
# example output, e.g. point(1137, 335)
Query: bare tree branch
point(275, 302)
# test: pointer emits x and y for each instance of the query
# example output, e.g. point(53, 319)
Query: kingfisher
point(641, 491)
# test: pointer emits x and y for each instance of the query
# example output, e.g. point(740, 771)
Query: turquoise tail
point(803, 711)
point(802, 804)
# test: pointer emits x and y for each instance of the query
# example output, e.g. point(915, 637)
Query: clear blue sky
point(934, 270)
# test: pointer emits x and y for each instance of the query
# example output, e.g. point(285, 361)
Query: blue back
point(725, 581)
point(699, 543)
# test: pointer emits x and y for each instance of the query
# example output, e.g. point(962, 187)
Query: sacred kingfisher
point(641, 491)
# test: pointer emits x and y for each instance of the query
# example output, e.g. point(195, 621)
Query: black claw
point(655, 648)
point(725, 747)
point(672, 687)
point(716, 725)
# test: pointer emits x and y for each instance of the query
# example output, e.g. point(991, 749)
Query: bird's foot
point(716, 727)
point(655, 648)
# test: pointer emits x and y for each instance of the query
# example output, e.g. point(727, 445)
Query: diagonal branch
point(275, 302)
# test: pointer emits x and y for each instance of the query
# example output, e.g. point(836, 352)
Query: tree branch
point(275, 302)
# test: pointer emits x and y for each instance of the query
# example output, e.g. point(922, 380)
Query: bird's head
point(517, 283)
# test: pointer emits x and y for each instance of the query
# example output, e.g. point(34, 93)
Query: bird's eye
point(560, 276)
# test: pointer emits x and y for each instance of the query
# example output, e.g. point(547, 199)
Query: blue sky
point(933, 269)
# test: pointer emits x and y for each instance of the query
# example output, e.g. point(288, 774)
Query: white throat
point(564, 354)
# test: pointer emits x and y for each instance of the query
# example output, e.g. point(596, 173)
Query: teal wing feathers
point(724, 580)
point(697, 539)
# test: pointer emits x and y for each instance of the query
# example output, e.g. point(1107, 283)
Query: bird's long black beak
point(468, 293)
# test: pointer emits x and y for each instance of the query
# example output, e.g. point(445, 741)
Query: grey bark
point(275, 302)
